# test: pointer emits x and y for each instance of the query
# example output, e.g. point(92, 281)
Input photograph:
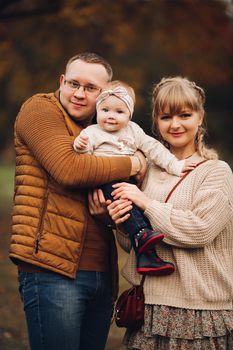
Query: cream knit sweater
point(198, 225)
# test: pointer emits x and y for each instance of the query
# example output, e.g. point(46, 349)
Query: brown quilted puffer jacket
point(50, 213)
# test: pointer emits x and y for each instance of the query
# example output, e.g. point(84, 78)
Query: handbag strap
point(181, 179)
point(142, 280)
point(169, 195)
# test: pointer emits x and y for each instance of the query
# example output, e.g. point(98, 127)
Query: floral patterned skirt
point(171, 328)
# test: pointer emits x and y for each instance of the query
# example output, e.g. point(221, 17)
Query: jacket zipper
point(39, 233)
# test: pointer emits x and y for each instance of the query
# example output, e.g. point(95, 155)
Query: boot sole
point(158, 271)
point(150, 243)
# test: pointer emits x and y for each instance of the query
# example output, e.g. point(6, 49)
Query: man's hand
point(98, 205)
point(144, 164)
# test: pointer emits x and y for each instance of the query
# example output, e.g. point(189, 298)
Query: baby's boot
point(149, 263)
point(146, 239)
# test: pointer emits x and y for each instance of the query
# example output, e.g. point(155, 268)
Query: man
point(64, 255)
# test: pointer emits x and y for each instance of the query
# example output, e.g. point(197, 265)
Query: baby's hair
point(116, 83)
point(173, 95)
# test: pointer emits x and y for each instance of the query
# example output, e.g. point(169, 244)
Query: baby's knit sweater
point(198, 225)
point(127, 141)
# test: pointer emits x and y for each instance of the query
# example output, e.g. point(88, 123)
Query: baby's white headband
point(119, 92)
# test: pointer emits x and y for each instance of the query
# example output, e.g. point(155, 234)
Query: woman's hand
point(131, 192)
point(98, 205)
point(119, 210)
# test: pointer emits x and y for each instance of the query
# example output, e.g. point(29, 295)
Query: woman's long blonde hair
point(173, 94)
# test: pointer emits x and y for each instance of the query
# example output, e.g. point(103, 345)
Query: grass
point(13, 334)
point(7, 181)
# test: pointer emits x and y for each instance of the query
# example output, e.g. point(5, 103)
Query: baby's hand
point(188, 166)
point(81, 142)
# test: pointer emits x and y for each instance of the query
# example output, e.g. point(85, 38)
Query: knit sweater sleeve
point(40, 125)
point(209, 213)
point(89, 149)
point(123, 240)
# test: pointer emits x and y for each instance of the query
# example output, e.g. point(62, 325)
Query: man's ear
point(62, 78)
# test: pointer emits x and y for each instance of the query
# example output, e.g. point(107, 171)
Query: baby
point(116, 135)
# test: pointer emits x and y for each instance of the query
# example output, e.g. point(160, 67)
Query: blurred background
point(144, 40)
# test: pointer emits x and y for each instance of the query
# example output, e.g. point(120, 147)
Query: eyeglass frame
point(85, 87)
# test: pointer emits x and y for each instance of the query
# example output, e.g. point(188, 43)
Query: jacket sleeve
point(210, 212)
point(40, 125)
point(157, 153)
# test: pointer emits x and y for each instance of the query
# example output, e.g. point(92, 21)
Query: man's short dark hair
point(90, 57)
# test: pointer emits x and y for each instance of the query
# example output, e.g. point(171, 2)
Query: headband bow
point(121, 93)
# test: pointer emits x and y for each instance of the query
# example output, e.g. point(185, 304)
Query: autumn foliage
point(143, 39)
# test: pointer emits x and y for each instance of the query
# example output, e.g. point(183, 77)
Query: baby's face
point(112, 114)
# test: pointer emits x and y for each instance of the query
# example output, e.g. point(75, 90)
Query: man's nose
point(80, 92)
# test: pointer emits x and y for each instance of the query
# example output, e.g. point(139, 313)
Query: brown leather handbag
point(129, 310)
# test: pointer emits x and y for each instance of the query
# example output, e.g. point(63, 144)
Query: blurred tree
point(144, 40)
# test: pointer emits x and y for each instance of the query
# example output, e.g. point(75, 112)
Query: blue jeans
point(66, 314)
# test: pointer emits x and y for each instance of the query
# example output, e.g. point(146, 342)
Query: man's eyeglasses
point(75, 85)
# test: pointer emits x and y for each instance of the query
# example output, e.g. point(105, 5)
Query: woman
point(192, 308)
